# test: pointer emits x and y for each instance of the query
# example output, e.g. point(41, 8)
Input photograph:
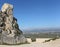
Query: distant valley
point(42, 33)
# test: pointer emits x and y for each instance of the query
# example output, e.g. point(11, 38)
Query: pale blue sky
point(36, 13)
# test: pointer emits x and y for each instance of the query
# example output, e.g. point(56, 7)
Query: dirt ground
point(38, 43)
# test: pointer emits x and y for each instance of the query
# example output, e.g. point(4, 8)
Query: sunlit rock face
point(6, 6)
point(9, 29)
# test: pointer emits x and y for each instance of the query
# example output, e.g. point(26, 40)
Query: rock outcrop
point(9, 29)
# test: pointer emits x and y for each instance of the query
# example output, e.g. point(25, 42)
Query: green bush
point(47, 40)
point(33, 39)
point(55, 38)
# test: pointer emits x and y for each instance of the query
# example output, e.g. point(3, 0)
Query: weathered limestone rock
point(9, 29)
point(6, 6)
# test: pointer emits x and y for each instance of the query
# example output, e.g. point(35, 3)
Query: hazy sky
point(36, 13)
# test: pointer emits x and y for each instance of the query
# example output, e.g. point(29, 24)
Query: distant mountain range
point(45, 30)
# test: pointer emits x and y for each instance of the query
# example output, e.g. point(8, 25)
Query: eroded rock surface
point(9, 29)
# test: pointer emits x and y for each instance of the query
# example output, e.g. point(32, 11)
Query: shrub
point(55, 38)
point(47, 40)
point(33, 39)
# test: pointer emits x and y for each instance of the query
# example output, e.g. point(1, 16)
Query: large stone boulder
point(9, 29)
